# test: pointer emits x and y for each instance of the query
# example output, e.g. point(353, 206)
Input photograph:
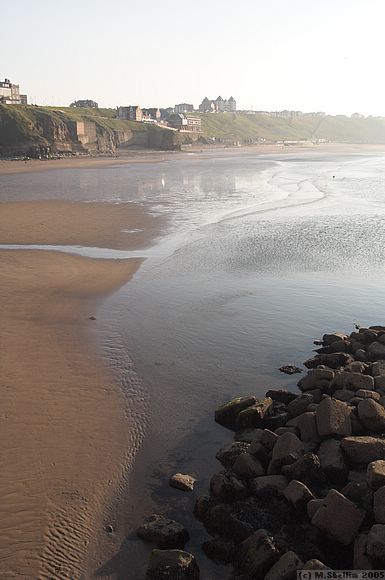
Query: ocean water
point(262, 255)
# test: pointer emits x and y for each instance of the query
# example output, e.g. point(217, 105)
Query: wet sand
point(107, 225)
point(64, 424)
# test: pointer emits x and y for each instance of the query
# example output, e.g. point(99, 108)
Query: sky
point(308, 55)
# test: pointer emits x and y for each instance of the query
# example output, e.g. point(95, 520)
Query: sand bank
point(63, 425)
point(117, 226)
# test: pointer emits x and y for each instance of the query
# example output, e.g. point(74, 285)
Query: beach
point(59, 402)
point(248, 256)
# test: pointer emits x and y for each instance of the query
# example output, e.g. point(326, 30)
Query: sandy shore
point(149, 156)
point(108, 225)
point(63, 420)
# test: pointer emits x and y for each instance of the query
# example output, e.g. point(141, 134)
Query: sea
point(261, 255)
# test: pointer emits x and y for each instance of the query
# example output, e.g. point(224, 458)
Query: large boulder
point(287, 450)
point(163, 532)
point(316, 379)
point(372, 415)
point(225, 486)
point(306, 469)
point(257, 554)
point(226, 414)
point(276, 483)
point(376, 544)
point(246, 465)
point(230, 452)
point(379, 505)
point(328, 339)
point(376, 351)
point(281, 395)
point(307, 427)
point(355, 381)
point(172, 565)
point(338, 518)
point(299, 405)
point(376, 474)
point(334, 360)
point(286, 567)
point(253, 415)
point(361, 560)
point(333, 418)
point(363, 449)
point(298, 494)
point(332, 460)
point(378, 368)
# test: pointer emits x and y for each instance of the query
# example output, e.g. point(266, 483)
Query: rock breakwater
point(303, 482)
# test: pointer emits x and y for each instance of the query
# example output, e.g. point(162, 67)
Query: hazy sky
point(310, 55)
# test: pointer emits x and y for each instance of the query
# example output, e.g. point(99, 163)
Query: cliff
point(34, 131)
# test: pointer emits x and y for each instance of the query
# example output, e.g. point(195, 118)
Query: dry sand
point(64, 428)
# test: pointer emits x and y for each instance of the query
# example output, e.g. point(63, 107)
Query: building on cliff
point(219, 105)
point(184, 108)
point(152, 114)
point(131, 113)
point(185, 123)
point(85, 103)
point(10, 94)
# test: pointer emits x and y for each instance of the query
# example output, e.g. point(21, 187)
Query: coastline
point(8, 167)
point(64, 420)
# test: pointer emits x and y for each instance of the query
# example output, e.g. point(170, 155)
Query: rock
point(372, 415)
point(333, 418)
point(360, 556)
point(375, 547)
point(357, 476)
point(290, 369)
point(355, 381)
point(359, 493)
point(257, 554)
point(334, 360)
point(379, 505)
point(260, 452)
point(163, 532)
point(376, 351)
point(202, 505)
point(360, 355)
point(281, 430)
point(298, 494)
point(376, 474)
point(281, 396)
point(313, 506)
point(182, 482)
point(287, 450)
point(307, 427)
point(363, 449)
point(265, 436)
point(338, 518)
point(272, 482)
point(356, 367)
point(328, 339)
point(299, 405)
point(172, 565)
point(367, 334)
point(365, 394)
point(306, 469)
point(357, 427)
point(109, 529)
point(379, 382)
point(314, 564)
point(226, 414)
point(316, 379)
point(286, 567)
point(92, 318)
point(219, 550)
point(226, 486)
point(378, 368)
point(254, 414)
point(343, 395)
point(332, 460)
point(247, 465)
point(229, 453)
